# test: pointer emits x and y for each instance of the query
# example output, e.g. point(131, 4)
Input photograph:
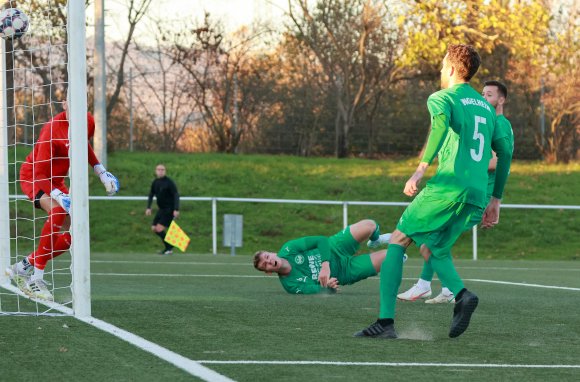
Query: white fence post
point(214, 224)
point(344, 214)
point(474, 230)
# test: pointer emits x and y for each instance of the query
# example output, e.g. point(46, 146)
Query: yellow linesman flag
point(176, 237)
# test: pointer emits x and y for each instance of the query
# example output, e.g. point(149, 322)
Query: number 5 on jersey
point(477, 136)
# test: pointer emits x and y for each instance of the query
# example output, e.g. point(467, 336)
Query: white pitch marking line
point(273, 277)
point(391, 364)
point(177, 360)
point(522, 284)
point(178, 275)
point(250, 264)
point(164, 262)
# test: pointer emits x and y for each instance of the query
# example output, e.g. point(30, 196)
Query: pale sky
point(234, 13)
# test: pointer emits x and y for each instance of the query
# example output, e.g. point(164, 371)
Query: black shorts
point(164, 217)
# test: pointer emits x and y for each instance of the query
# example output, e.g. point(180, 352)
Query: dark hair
point(257, 257)
point(465, 59)
point(500, 87)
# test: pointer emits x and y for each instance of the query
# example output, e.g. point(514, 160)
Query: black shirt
point(166, 192)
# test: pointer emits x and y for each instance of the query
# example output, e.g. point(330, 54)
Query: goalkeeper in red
point(463, 134)
point(315, 264)
point(42, 178)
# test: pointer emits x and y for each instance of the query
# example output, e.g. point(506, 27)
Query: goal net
point(38, 72)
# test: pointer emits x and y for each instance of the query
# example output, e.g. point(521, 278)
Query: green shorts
point(437, 223)
point(344, 265)
point(476, 218)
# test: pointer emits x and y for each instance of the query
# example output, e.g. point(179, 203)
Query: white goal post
point(79, 182)
point(20, 95)
point(4, 172)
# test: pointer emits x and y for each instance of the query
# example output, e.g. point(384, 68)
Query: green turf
point(195, 306)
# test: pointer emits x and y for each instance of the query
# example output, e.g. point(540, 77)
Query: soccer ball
point(13, 23)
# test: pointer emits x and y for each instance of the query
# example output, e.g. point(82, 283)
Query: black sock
point(161, 235)
point(460, 294)
point(385, 321)
point(168, 247)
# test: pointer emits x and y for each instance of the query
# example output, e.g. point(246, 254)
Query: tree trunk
point(343, 142)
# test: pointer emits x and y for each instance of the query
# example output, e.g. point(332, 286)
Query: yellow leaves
point(522, 26)
point(401, 20)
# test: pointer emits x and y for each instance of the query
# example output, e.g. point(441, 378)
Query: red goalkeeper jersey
point(47, 165)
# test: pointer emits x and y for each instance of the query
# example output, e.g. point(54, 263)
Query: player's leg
point(391, 276)
point(364, 230)
point(161, 231)
point(439, 255)
point(465, 301)
point(161, 221)
point(50, 234)
point(446, 296)
point(422, 288)
point(369, 230)
point(424, 282)
point(364, 266)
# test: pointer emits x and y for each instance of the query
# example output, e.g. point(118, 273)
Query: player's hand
point(148, 212)
point(332, 283)
point(491, 213)
point(109, 180)
point(175, 214)
point(62, 199)
point(412, 185)
point(324, 274)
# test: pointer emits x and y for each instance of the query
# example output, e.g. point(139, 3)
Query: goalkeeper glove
point(61, 198)
point(109, 180)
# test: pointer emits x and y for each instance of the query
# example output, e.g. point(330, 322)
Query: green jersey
point(462, 173)
point(504, 129)
point(305, 256)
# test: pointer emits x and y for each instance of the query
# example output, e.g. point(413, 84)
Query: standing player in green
point(495, 93)
point(462, 135)
point(315, 264)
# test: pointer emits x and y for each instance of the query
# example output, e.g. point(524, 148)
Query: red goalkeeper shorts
point(30, 187)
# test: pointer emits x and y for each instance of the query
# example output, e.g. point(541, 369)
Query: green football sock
point(375, 235)
point(391, 276)
point(427, 272)
point(447, 273)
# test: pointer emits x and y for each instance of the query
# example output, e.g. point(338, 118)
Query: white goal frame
point(78, 154)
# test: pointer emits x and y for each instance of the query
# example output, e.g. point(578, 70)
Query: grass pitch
point(219, 309)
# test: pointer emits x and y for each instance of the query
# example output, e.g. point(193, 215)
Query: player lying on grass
point(42, 180)
point(495, 93)
point(315, 264)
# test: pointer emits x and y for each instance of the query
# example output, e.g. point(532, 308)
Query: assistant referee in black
point(165, 190)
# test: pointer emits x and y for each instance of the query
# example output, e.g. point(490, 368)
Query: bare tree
point(164, 94)
point(356, 42)
point(224, 75)
point(560, 142)
point(137, 9)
